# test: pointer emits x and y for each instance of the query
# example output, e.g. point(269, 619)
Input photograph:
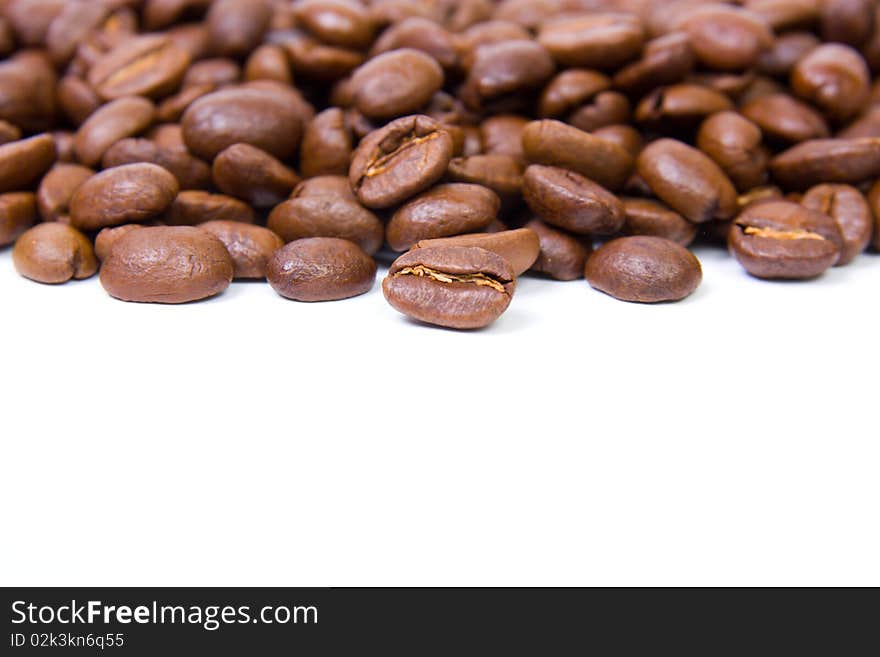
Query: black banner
point(292, 621)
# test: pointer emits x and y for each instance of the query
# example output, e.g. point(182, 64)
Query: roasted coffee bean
point(336, 22)
point(72, 26)
point(835, 78)
point(679, 106)
point(557, 144)
point(401, 159)
point(107, 238)
point(235, 27)
point(625, 136)
point(27, 91)
point(191, 172)
point(827, 160)
point(785, 119)
point(727, 38)
point(644, 269)
point(461, 287)
point(149, 66)
point(442, 211)
point(247, 115)
point(133, 193)
point(519, 247)
point(172, 108)
point(77, 99)
point(395, 83)
point(8, 132)
point(569, 200)
point(603, 41)
point(162, 13)
point(22, 162)
point(485, 33)
point(503, 74)
point(322, 213)
point(327, 144)
point(422, 34)
point(252, 175)
point(569, 90)
point(607, 108)
point(166, 264)
point(846, 21)
point(268, 62)
point(562, 256)
point(249, 246)
point(310, 58)
point(849, 210)
point(666, 60)
point(57, 188)
point(734, 143)
point(500, 173)
point(874, 204)
point(503, 135)
point(117, 120)
point(320, 269)
point(784, 15)
point(192, 207)
point(217, 72)
point(645, 216)
point(686, 180)
point(324, 186)
point(18, 212)
point(54, 253)
point(780, 239)
point(867, 125)
point(787, 50)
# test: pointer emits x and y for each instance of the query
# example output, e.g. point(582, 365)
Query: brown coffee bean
point(191, 172)
point(846, 21)
point(324, 186)
point(192, 207)
point(252, 175)
point(485, 33)
point(849, 210)
point(18, 212)
point(607, 108)
point(680, 106)
point(235, 27)
point(649, 217)
point(162, 13)
point(249, 246)
point(569, 200)
point(554, 143)
point(310, 58)
point(172, 108)
point(727, 38)
point(500, 173)
point(562, 256)
point(502, 135)
point(734, 143)
point(835, 78)
point(327, 215)
point(442, 211)
point(461, 287)
point(874, 204)
point(117, 120)
point(867, 125)
point(503, 74)
point(9, 132)
point(320, 269)
point(569, 90)
point(336, 22)
point(77, 99)
point(217, 72)
point(71, 26)
point(780, 239)
point(395, 83)
point(166, 264)
point(827, 160)
point(30, 19)
point(57, 188)
point(268, 62)
point(149, 66)
point(787, 51)
point(625, 136)
point(399, 160)
point(106, 239)
point(644, 269)
point(54, 253)
point(785, 119)
point(133, 193)
point(687, 181)
point(784, 15)
point(422, 34)
point(247, 115)
point(22, 162)
point(326, 145)
point(27, 91)
point(603, 41)
point(520, 247)
point(666, 60)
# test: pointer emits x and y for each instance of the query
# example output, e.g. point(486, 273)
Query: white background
point(730, 439)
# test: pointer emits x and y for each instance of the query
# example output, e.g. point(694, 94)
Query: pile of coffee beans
point(173, 146)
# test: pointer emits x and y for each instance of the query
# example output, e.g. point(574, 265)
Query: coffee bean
point(664, 61)
point(607, 108)
point(504, 73)
point(327, 215)
point(72, 26)
point(503, 135)
point(422, 34)
point(679, 106)
point(77, 99)
point(735, 144)
point(780, 239)
point(191, 172)
point(9, 132)
point(311, 58)
point(562, 256)
point(216, 72)
point(444, 210)
point(569, 90)
point(324, 186)
point(57, 188)
point(603, 41)
point(172, 108)
point(133, 193)
point(150, 66)
point(786, 119)
point(520, 247)
point(874, 204)
point(336, 22)
point(235, 27)
point(827, 160)
point(645, 216)
point(22, 162)
point(846, 21)
point(835, 78)
point(27, 91)
point(166, 264)
point(117, 120)
point(268, 62)
point(867, 125)
point(569, 200)
point(453, 286)
point(399, 160)
point(727, 38)
point(249, 246)
point(687, 180)
point(644, 269)
point(193, 207)
point(557, 144)
point(849, 210)
point(54, 253)
point(395, 83)
point(787, 50)
point(106, 239)
point(320, 269)
point(18, 212)
point(252, 175)
point(625, 136)
point(502, 174)
point(326, 145)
